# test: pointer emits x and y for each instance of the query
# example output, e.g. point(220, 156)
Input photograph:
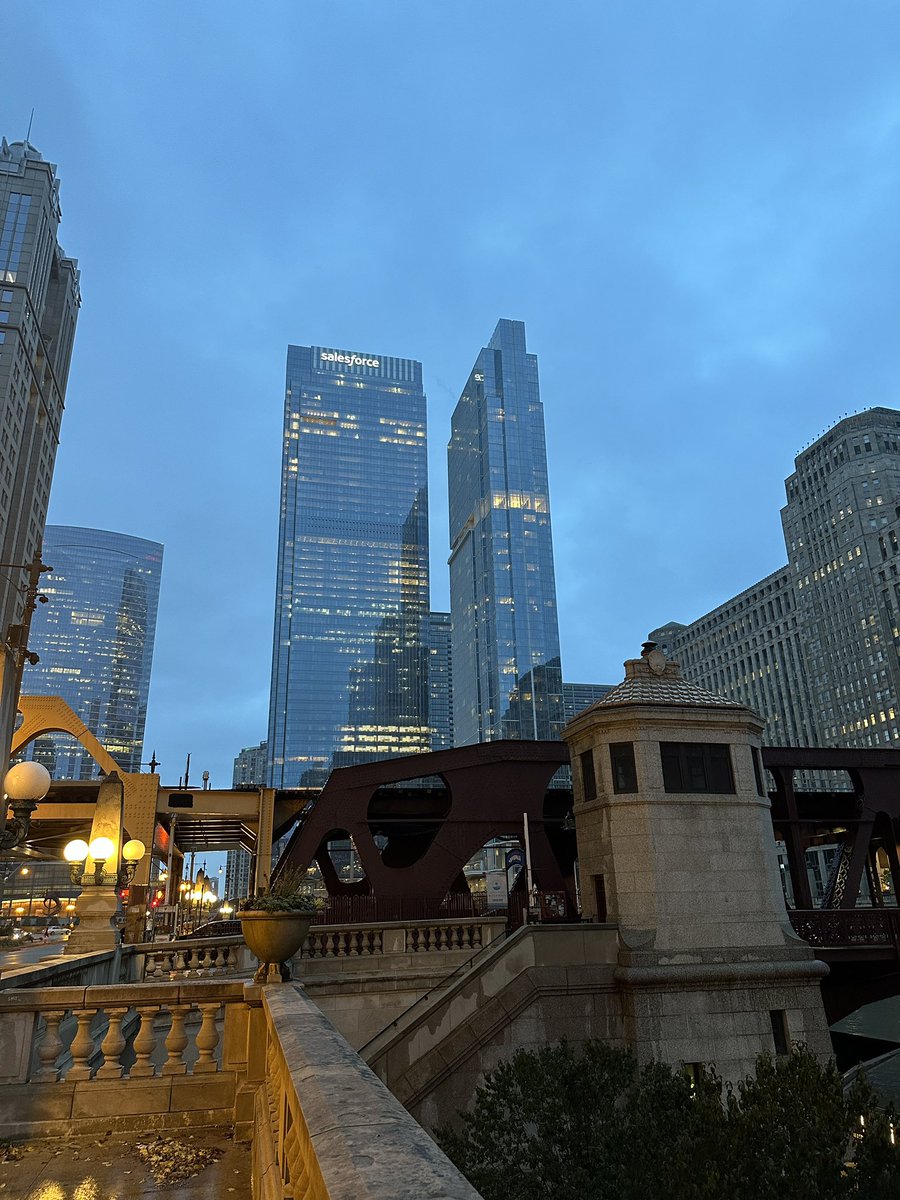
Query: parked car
point(56, 933)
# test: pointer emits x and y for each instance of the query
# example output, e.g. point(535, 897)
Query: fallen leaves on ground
point(171, 1161)
point(9, 1152)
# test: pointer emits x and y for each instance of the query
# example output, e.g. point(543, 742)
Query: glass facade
point(95, 642)
point(440, 681)
point(350, 661)
point(507, 681)
point(39, 302)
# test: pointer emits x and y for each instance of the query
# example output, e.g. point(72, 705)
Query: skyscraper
point(350, 661)
point(39, 302)
point(249, 771)
point(507, 681)
point(95, 641)
point(440, 680)
point(814, 646)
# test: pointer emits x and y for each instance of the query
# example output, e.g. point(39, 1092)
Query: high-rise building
point(249, 771)
point(579, 696)
point(95, 642)
point(350, 661)
point(39, 302)
point(250, 767)
point(815, 646)
point(507, 681)
point(440, 680)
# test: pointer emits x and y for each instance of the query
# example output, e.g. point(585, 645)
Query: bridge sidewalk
point(109, 1168)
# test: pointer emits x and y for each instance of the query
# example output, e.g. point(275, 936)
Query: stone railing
point(195, 958)
point(161, 1054)
point(399, 937)
point(216, 1053)
point(325, 1126)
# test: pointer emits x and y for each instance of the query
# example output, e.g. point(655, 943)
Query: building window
point(780, 1034)
point(588, 778)
point(624, 774)
point(696, 767)
point(757, 771)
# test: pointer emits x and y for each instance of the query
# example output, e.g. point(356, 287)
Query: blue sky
point(692, 206)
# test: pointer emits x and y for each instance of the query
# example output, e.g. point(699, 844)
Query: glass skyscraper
point(95, 642)
point(507, 681)
point(350, 661)
point(440, 680)
point(39, 303)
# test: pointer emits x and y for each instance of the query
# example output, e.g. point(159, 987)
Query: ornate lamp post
point(111, 869)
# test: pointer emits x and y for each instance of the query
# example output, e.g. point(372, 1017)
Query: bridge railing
point(323, 1124)
point(840, 928)
point(164, 1053)
point(204, 958)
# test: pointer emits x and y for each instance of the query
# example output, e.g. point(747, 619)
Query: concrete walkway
point(96, 1168)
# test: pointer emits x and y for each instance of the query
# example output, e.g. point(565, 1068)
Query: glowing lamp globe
point(27, 781)
point(102, 848)
point(76, 851)
point(134, 850)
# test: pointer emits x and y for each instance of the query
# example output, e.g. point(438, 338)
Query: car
point(22, 935)
point(56, 933)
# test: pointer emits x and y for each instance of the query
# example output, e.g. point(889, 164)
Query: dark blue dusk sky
point(693, 207)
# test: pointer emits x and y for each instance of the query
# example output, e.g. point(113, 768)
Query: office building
point(507, 681)
point(95, 642)
point(350, 661)
point(39, 302)
point(249, 771)
point(250, 767)
point(440, 680)
point(814, 646)
point(579, 696)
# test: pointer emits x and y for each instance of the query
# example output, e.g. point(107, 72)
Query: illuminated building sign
point(351, 360)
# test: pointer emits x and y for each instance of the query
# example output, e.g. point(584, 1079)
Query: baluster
point(49, 1048)
point(112, 1045)
point(179, 961)
point(207, 1039)
point(176, 1041)
point(156, 967)
point(378, 941)
point(82, 1046)
point(341, 939)
point(145, 1043)
point(201, 959)
point(221, 960)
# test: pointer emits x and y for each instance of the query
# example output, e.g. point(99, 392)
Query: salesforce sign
point(349, 360)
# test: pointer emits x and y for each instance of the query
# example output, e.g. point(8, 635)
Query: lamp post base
point(96, 909)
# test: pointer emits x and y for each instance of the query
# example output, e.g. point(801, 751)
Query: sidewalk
point(97, 1168)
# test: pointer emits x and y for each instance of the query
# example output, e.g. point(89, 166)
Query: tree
point(562, 1123)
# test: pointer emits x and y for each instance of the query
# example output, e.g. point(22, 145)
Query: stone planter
point(274, 937)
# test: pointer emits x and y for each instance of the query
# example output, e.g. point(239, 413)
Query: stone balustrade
point(197, 957)
point(324, 1127)
point(216, 1053)
point(98, 1057)
point(398, 937)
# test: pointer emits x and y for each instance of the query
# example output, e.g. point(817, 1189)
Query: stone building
point(814, 646)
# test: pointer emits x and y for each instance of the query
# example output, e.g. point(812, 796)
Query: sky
point(692, 206)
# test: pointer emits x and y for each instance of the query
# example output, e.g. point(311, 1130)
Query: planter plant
point(275, 922)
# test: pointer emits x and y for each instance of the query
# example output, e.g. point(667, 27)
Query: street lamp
point(101, 851)
point(24, 786)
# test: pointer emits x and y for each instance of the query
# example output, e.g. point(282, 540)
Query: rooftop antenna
point(30, 121)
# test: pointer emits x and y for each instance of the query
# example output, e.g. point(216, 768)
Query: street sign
point(515, 858)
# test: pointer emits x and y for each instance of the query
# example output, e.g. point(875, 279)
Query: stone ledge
point(365, 1142)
